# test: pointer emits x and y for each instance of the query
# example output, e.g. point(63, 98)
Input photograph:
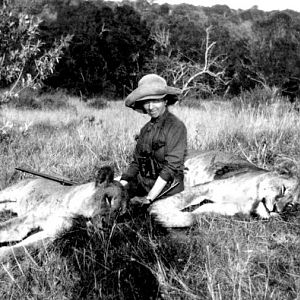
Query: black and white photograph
point(150, 150)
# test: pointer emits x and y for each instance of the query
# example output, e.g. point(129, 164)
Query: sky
point(265, 5)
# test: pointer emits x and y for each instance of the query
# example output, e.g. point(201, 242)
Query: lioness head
point(290, 195)
point(279, 191)
point(111, 197)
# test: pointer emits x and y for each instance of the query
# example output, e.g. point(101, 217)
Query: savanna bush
point(219, 258)
point(26, 99)
point(193, 103)
point(199, 103)
point(264, 148)
point(97, 103)
point(257, 98)
point(54, 100)
point(31, 99)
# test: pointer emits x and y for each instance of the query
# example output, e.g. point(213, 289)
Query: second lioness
point(225, 184)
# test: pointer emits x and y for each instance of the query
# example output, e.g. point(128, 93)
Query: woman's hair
point(171, 98)
point(167, 98)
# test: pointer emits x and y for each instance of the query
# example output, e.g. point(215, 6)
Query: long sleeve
point(132, 170)
point(175, 150)
point(160, 152)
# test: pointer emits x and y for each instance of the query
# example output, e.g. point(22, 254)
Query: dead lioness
point(47, 207)
point(225, 184)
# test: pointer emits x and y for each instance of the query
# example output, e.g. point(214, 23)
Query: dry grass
point(220, 258)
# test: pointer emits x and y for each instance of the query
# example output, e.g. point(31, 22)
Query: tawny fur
point(49, 207)
point(225, 184)
point(215, 182)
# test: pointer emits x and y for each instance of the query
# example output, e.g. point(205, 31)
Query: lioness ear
point(283, 171)
point(104, 175)
point(283, 189)
point(287, 167)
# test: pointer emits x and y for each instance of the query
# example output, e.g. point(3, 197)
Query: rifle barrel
point(173, 185)
point(46, 176)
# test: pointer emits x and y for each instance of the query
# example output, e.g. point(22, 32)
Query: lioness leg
point(34, 240)
point(8, 200)
point(17, 229)
point(261, 211)
point(168, 214)
point(173, 218)
point(227, 209)
point(173, 211)
point(231, 209)
point(17, 197)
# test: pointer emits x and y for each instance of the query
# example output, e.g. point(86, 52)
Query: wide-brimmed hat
point(151, 86)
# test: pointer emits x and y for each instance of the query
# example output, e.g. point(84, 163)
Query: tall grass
point(219, 258)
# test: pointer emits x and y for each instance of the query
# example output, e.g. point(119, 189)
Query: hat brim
point(151, 97)
point(136, 98)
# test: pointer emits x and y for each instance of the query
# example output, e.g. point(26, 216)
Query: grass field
point(219, 258)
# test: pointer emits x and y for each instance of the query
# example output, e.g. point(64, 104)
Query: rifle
point(50, 177)
point(172, 186)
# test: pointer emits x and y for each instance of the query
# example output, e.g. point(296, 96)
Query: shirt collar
point(160, 118)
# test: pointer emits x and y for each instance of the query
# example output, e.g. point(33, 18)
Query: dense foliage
point(115, 43)
point(108, 48)
point(25, 61)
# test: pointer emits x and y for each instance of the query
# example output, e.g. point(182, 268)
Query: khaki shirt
point(164, 140)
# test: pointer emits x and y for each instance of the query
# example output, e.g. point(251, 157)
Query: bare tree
point(187, 74)
point(161, 36)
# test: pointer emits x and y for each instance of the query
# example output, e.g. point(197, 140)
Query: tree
point(276, 50)
point(211, 67)
point(203, 75)
point(108, 50)
point(24, 62)
point(84, 68)
point(130, 47)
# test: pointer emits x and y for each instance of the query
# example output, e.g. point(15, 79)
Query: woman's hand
point(124, 182)
point(140, 200)
point(156, 189)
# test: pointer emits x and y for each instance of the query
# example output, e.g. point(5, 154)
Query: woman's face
point(155, 107)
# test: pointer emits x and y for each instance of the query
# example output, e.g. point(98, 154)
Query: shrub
point(193, 103)
point(54, 100)
point(97, 102)
point(24, 63)
point(256, 98)
point(26, 99)
point(31, 99)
